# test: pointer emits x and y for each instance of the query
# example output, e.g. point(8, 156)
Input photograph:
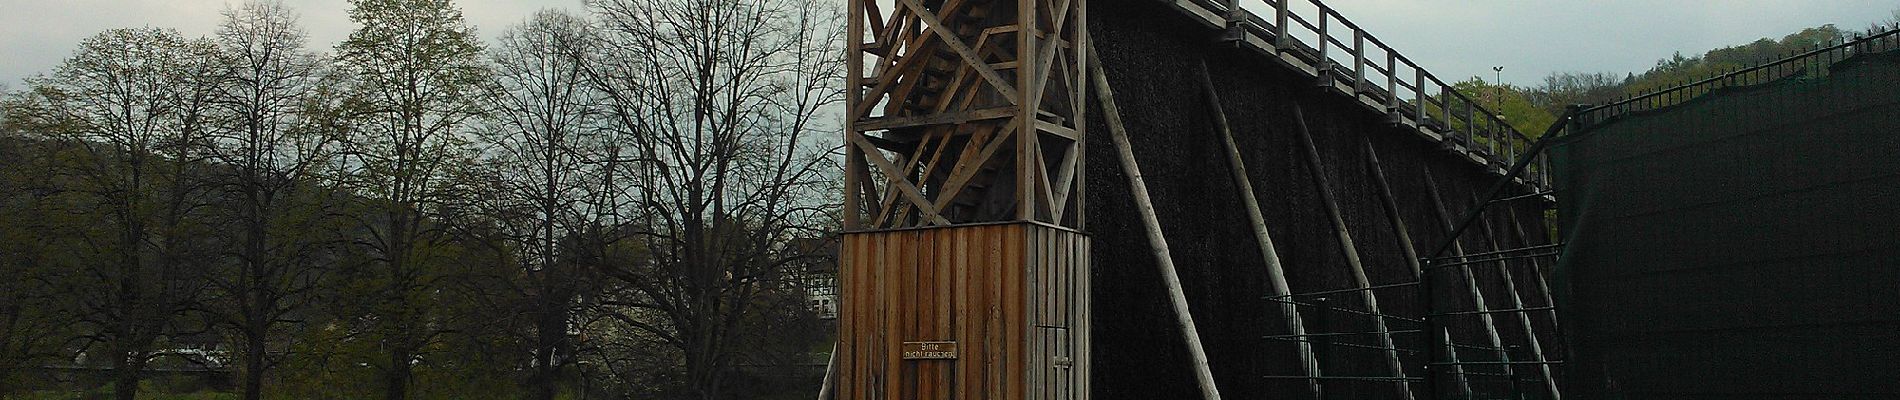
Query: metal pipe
point(1347, 310)
point(1516, 250)
point(1342, 334)
point(1350, 290)
point(1436, 266)
point(1356, 378)
point(1522, 161)
point(1502, 362)
point(1494, 311)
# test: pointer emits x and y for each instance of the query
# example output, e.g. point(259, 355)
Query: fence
point(1312, 37)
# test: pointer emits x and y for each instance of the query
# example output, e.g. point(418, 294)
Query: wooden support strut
point(1276, 274)
point(1118, 134)
point(1523, 317)
point(1543, 285)
point(831, 374)
point(1391, 204)
point(1351, 252)
point(1457, 368)
point(1471, 282)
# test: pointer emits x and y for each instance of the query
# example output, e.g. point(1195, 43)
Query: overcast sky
point(1452, 38)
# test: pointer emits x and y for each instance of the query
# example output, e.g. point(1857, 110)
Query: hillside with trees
point(1531, 109)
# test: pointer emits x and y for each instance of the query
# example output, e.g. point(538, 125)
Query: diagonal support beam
point(1523, 317)
point(956, 44)
point(1391, 204)
point(1351, 251)
point(896, 180)
point(1197, 356)
point(1276, 274)
point(1471, 282)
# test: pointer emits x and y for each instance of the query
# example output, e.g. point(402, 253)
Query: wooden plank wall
point(1003, 292)
point(1058, 260)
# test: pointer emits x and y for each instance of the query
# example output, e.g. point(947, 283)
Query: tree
point(721, 103)
point(133, 103)
point(270, 146)
point(1561, 89)
point(549, 158)
point(34, 316)
point(1510, 102)
point(415, 71)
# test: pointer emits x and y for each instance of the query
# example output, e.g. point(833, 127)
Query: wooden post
point(854, 94)
point(831, 375)
point(1392, 210)
point(1358, 60)
point(1280, 40)
point(1458, 370)
point(1418, 92)
point(1118, 134)
point(1543, 285)
point(1276, 274)
point(1471, 282)
point(1523, 317)
point(1351, 252)
point(1391, 82)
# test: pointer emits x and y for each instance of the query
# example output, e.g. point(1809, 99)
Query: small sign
point(930, 350)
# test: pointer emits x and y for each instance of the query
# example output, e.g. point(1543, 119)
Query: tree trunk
point(253, 367)
point(125, 378)
point(397, 379)
point(550, 333)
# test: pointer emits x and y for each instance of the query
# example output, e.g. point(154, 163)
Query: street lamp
point(1497, 91)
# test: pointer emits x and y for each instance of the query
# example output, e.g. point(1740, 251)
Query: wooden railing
point(1312, 37)
point(1812, 63)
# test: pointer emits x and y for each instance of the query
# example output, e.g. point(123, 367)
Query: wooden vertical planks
point(1007, 294)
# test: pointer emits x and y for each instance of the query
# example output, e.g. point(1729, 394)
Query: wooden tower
point(964, 272)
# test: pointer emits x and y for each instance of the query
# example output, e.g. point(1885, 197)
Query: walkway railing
point(1312, 37)
point(1813, 63)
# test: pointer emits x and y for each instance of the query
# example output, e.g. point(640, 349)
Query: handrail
point(1819, 59)
point(1344, 51)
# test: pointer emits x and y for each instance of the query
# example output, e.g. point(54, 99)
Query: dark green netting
point(1746, 243)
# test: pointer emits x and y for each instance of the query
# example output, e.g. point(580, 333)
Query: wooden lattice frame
point(939, 102)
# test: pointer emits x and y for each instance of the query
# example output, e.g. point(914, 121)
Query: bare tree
point(34, 249)
point(548, 158)
point(415, 66)
point(271, 148)
point(134, 102)
point(720, 100)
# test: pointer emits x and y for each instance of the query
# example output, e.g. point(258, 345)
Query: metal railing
point(1341, 54)
point(1813, 63)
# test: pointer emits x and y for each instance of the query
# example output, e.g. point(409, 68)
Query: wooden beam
point(1457, 369)
point(854, 81)
point(1471, 282)
point(831, 375)
point(1276, 274)
point(969, 163)
point(1197, 356)
point(929, 165)
point(1058, 130)
point(1523, 317)
point(1030, 96)
point(953, 117)
point(1066, 180)
point(1392, 214)
point(956, 44)
point(897, 181)
point(1351, 251)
